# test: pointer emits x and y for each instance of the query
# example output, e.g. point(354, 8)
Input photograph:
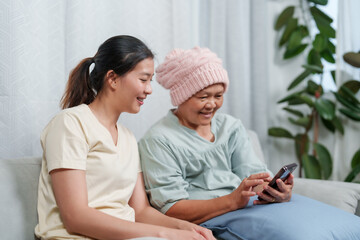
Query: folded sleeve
point(64, 143)
point(244, 161)
point(163, 175)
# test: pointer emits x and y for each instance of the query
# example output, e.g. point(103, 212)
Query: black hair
point(119, 53)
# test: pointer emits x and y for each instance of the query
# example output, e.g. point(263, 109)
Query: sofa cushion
point(18, 190)
point(342, 195)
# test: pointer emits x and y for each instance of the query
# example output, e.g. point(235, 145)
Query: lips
point(140, 100)
point(206, 114)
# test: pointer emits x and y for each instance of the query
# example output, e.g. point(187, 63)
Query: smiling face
point(197, 111)
point(134, 86)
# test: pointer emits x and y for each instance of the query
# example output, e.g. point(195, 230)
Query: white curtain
point(348, 40)
point(41, 41)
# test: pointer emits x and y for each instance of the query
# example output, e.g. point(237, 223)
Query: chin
point(133, 110)
point(205, 123)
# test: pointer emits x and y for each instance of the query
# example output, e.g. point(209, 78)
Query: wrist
point(163, 233)
point(230, 203)
point(183, 225)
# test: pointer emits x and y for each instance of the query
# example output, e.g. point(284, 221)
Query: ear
point(110, 79)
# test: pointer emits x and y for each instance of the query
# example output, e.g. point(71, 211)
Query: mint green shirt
point(179, 164)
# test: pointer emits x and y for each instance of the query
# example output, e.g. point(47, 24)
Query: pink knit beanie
point(186, 72)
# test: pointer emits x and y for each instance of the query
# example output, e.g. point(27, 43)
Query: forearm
point(96, 224)
point(198, 211)
point(151, 215)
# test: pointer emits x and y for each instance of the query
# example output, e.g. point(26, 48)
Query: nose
point(210, 104)
point(148, 89)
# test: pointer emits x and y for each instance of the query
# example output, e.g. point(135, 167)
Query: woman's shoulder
point(163, 128)
point(69, 117)
point(226, 121)
point(73, 111)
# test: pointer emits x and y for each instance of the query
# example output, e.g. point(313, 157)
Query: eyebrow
point(147, 74)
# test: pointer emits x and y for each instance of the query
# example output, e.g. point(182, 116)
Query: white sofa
point(19, 181)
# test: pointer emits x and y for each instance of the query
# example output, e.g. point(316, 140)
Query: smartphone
point(283, 174)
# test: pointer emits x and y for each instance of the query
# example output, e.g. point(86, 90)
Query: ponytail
point(78, 89)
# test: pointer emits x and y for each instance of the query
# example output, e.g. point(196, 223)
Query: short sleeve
point(244, 161)
point(162, 174)
point(64, 143)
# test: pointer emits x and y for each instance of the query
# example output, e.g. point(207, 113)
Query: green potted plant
point(307, 104)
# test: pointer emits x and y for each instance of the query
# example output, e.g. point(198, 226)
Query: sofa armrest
point(343, 195)
point(18, 190)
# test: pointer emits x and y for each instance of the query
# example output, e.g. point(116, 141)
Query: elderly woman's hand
point(281, 195)
point(240, 197)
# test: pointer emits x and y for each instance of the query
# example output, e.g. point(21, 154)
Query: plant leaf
point(289, 53)
point(353, 85)
point(320, 2)
point(303, 121)
point(290, 27)
point(323, 22)
point(350, 114)
point(295, 39)
point(314, 58)
point(328, 124)
point(356, 159)
point(284, 17)
point(312, 87)
point(349, 95)
point(320, 14)
point(311, 166)
point(293, 111)
point(289, 97)
point(320, 42)
point(325, 160)
point(325, 108)
point(328, 56)
point(304, 31)
point(354, 172)
point(279, 132)
point(296, 101)
point(326, 29)
point(333, 125)
point(331, 46)
point(337, 123)
point(345, 102)
point(352, 58)
point(307, 100)
point(301, 99)
point(313, 68)
point(333, 74)
point(299, 79)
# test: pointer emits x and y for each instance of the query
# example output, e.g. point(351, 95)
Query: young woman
point(91, 185)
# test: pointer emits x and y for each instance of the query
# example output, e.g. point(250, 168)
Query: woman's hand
point(281, 195)
point(175, 234)
point(204, 232)
point(241, 196)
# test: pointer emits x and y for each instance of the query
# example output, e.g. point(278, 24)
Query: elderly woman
point(199, 165)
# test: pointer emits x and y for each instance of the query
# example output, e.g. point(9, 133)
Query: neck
point(104, 112)
point(203, 131)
